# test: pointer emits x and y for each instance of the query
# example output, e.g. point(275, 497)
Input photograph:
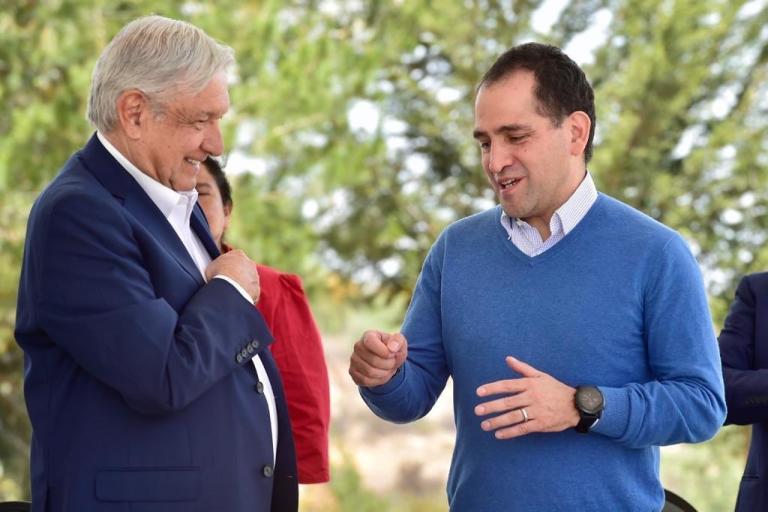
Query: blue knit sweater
point(618, 303)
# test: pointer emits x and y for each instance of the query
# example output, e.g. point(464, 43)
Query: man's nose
point(213, 143)
point(498, 159)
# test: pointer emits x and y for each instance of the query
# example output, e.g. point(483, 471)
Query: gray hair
point(158, 56)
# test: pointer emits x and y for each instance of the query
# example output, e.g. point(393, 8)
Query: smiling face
point(533, 165)
point(168, 142)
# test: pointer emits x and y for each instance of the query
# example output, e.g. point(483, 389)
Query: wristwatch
point(589, 402)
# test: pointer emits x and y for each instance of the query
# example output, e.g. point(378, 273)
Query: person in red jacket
point(297, 349)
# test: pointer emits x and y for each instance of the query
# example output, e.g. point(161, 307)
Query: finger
point(375, 342)
point(402, 353)
point(506, 403)
point(505, 420)
point(368, 381)
point(360, 379)
point(372, 359)
point(506, 386)
point(396, 343)
point(522, 368)
point(520, 429)
point(368, 369)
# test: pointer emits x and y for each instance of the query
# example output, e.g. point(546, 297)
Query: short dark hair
point(214, 167)
point(562, 87)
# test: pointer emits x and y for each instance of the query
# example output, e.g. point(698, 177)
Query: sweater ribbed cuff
point(615, 418)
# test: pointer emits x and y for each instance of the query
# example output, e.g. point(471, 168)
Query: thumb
point(402, 352)
point(522, 368)
point(395, 342)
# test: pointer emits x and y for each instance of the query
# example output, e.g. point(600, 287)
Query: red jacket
point(298, 352)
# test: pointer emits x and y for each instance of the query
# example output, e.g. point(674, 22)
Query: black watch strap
point(589, 402)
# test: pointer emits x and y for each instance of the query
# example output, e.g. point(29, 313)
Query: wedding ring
point(524, 413)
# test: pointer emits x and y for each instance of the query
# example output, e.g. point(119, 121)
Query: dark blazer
point(744, 351)
point(138, 374)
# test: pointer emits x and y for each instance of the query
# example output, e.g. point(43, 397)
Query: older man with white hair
point(148, 380)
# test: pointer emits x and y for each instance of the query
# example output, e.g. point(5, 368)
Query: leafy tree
point(354, 119)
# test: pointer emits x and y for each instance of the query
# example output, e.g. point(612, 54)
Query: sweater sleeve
point(412, 391)
point(746, 385)
point(685, 401)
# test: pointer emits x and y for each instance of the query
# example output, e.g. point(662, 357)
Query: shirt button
point(259, 387)
point(267, 471)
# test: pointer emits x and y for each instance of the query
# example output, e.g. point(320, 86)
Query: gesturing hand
point(535, 402)
point(376, 358)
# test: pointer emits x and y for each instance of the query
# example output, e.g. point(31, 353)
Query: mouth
point(508, 183)
point(195, 163)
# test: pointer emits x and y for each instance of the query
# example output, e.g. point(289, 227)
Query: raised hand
point(376, 357)
point(238, 267)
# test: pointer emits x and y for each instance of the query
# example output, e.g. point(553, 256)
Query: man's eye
point(485, 146)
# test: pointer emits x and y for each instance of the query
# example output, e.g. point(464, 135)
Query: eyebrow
point(507, 128)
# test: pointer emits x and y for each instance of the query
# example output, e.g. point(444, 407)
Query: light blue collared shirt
point(527, 238)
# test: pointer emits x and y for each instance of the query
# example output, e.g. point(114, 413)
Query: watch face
point(589, 399)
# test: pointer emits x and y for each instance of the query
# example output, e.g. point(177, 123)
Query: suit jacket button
point(259, 387)
point(239, 359)
point(244, 354)
point(255, 344)
point(250, 348)
point(267, 471)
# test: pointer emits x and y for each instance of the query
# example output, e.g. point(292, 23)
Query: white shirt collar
point(165, 198)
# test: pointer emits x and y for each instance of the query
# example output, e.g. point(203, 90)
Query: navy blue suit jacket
point(138, 374)
point(744, 351)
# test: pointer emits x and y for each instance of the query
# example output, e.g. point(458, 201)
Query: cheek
point(485, 161)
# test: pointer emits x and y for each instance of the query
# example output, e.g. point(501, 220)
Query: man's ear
point(579, 125)
point(132, 110)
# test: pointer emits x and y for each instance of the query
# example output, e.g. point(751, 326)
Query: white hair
point(158, 56)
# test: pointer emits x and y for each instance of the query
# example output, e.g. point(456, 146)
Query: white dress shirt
point(177, 208)
point(527, 238)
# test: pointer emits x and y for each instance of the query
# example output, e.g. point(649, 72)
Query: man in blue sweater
point(575, 328)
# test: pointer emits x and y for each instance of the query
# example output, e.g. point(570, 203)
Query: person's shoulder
point(757, 280)
point(475, 222)
point(72, 188)
point(276, 279)
point(632, 222)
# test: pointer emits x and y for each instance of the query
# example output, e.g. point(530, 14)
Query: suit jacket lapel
point(120, 184)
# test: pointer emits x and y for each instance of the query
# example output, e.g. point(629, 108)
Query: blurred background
point(349, 142)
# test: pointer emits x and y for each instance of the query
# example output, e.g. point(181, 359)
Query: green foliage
point(351, 493)
point(14, 425)
point(707, 475)
point(353, 202)
point(679, 85)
